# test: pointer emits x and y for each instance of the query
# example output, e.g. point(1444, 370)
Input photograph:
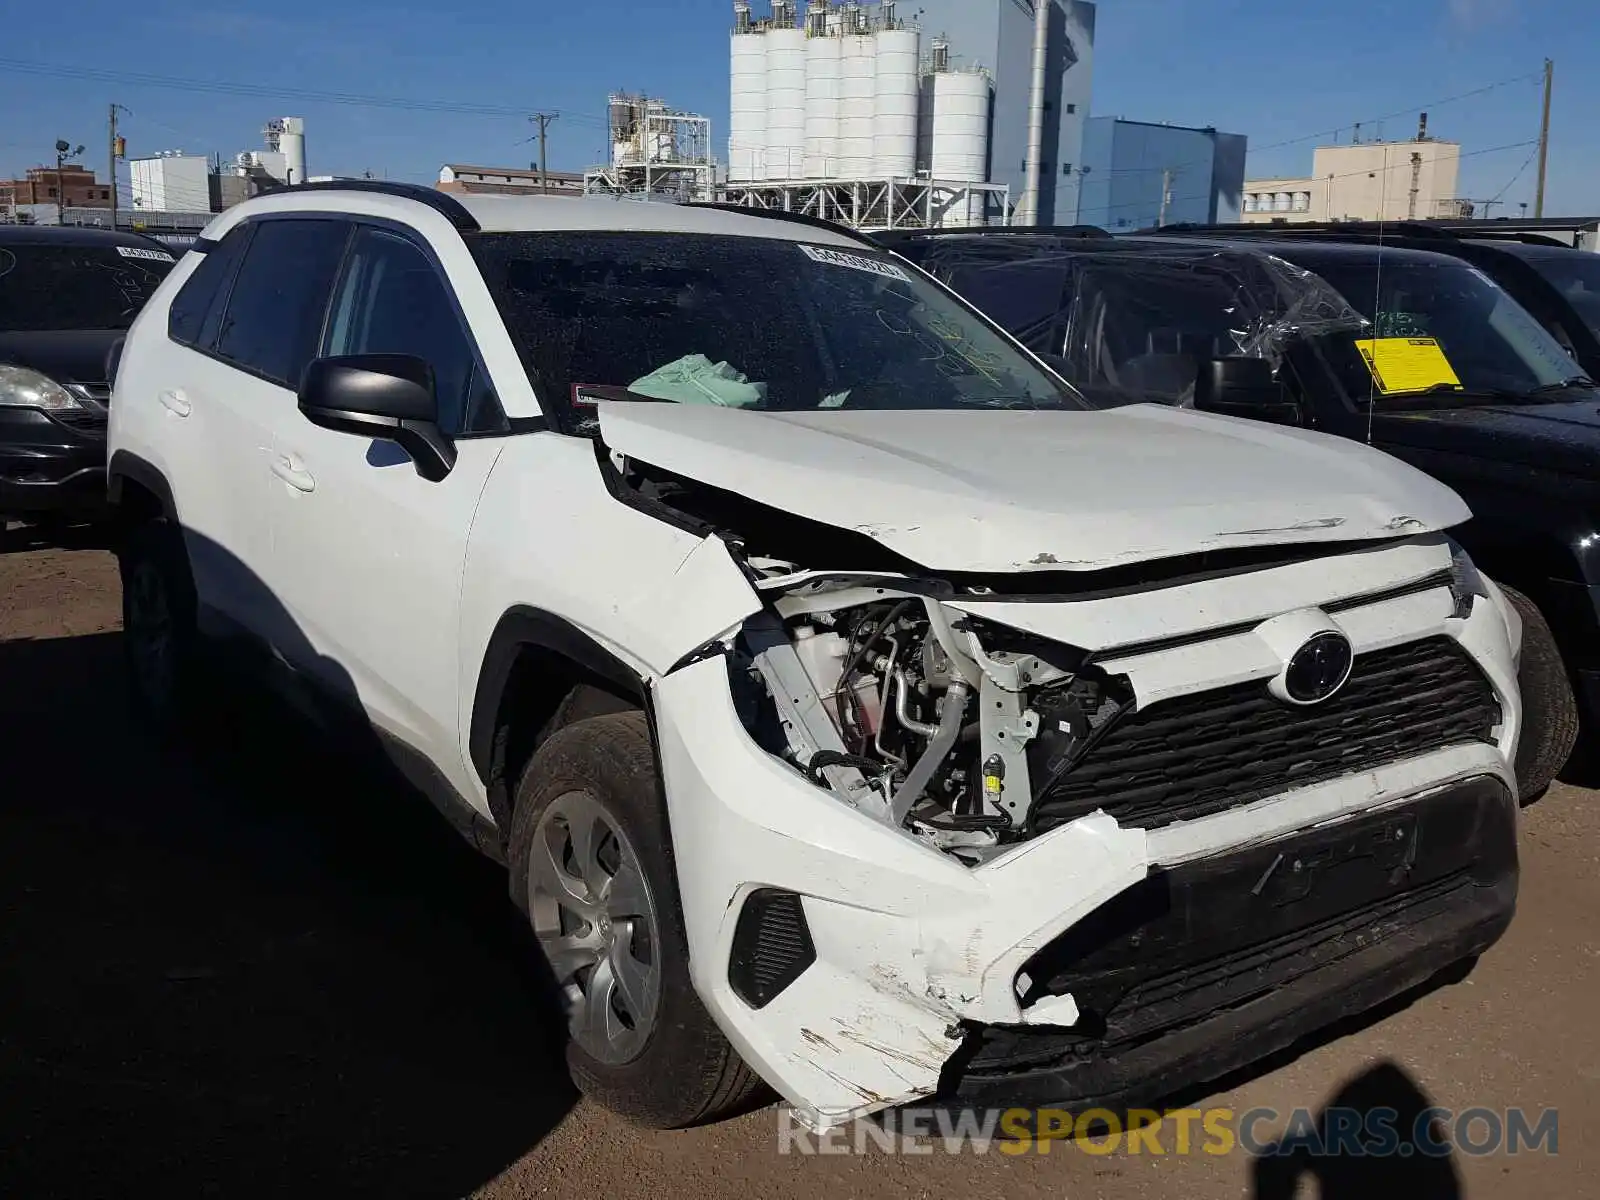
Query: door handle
point(296, 477)
point(176, 403)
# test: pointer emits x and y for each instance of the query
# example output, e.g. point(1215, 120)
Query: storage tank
point(894, 137)
point(959, 149)
point(786, 103)
point(858, 95)
point(747, 110)
point(824, 61)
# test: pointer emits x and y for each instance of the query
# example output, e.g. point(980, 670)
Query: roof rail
point(442, 203)
point(891, 236)
point(1358, 229)
point(775, 214)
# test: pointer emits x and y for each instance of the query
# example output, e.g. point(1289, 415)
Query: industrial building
point(508, 181)
point(863, 115)
point(1040, 59)
point(1136, 174)
point(1366, 181)
point(657, 153)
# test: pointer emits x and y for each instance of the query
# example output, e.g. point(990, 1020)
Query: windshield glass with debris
point(1126, 326)
point(1445, 326)
point(79, 286)
point(745, 322)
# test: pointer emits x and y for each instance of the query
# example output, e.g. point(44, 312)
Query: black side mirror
point(388, 397)
point(1244, 387)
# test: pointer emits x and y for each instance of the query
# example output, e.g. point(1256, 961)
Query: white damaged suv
point(855, 710)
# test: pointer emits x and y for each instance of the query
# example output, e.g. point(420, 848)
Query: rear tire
point(1549, 708)
point(600, 774)
point(158, 625)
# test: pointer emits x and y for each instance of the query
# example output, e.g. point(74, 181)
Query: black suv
point(1558, 284)
point(67, 296)
point(1301, 332)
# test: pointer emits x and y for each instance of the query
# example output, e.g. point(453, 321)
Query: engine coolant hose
point(939, 747)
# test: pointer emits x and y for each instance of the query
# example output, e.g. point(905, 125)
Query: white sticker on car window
point(855, 262)
point(139, 252)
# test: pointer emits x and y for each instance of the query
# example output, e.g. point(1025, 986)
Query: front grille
point(1211, 751)
point(90, 421)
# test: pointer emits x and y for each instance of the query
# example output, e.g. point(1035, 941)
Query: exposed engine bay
point(919, 715)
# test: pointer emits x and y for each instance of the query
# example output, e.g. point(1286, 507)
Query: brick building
point(44, 185)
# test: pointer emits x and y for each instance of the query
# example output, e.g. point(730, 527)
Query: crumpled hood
point(1005, 491)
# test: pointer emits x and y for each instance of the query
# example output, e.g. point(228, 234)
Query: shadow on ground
point(1415, 1164)
point(247, 970)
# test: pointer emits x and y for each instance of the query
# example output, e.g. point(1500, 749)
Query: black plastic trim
point(521, 627)
point(772, 946)
point(442, 203)
point(125, 464)
point(203, 245)
point(794, 218)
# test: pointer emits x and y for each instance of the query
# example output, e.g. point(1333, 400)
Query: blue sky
point(1276, 70)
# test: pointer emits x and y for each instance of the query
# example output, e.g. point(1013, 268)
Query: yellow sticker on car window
point(1401, 364)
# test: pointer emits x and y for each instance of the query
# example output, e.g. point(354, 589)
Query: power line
point(1206, 195)
point(1326, 133)
point(269, 91)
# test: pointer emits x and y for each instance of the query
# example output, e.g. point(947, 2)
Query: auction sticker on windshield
point(856, 262)
point(138, 252)
point(1400, 364)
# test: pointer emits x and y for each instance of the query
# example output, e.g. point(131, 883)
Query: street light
point(64, 151)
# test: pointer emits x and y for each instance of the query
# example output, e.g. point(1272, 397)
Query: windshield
point(746, 322)
point(76, 286)
point(1577, 277)
point(1485, 341)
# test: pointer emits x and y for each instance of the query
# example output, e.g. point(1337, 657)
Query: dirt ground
point(239, 967)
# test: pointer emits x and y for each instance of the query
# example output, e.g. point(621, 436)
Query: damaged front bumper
point(879, 981)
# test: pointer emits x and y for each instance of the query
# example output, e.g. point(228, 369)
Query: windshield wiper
point(1577, 381)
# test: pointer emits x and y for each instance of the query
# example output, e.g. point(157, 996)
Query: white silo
point(894, 138)
point(858, 95)
point(824, 61)
point(959, 150)
point(786, 103)
point(747, 110)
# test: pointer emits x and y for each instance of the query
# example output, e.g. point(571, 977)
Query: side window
point(275, 311)
point(392, 300)
point(187, 316)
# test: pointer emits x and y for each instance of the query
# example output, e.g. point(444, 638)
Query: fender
point(125, 464)
point(522, 627)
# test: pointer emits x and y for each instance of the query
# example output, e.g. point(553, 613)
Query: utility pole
point(117, 149)
point(1544, 137)
point(544, 120)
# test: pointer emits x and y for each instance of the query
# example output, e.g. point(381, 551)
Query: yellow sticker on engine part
point(1401, 364)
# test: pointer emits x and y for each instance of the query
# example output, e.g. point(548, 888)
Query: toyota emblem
point(1319, 668)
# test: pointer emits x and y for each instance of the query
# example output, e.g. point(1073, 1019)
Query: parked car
point(1558, 283)
point(1274, 330)
point(67, 295)
point(857, 710)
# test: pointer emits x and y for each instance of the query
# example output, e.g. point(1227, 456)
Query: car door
point(369, 555)
point(200, 428)
point(258, 333)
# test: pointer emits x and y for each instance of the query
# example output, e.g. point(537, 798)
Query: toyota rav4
point(854, 708)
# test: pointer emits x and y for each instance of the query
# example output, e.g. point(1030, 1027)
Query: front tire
point(592, 868)
point(1549, 708)
point(158, 624)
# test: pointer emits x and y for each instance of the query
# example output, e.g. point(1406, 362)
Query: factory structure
point(858, 113)
point(1366, 181)
point(657, 153)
